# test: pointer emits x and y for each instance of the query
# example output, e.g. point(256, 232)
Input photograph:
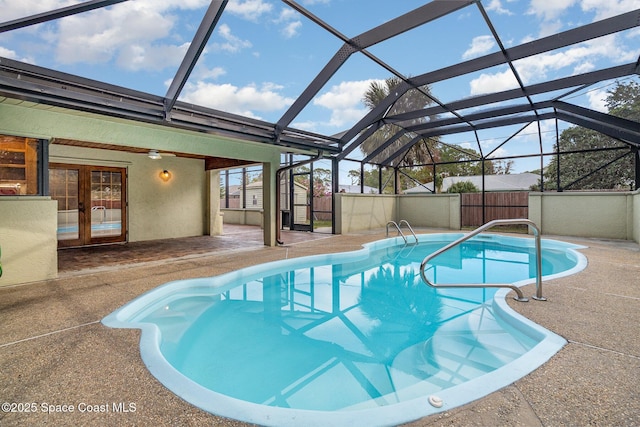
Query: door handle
point(80, 207)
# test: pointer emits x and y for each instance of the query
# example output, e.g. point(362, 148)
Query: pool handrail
point(397, 226)
point(520, 297)
point(409, 227)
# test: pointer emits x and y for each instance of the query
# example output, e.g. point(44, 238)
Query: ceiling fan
point(156, 155)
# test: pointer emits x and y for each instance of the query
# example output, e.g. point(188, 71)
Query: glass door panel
point(91, 204)
point(64, 187)
point(106, 203)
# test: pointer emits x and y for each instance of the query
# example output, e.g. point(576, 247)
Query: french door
point(91, 203)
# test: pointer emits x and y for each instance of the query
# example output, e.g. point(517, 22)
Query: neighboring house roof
point(234, 190)
point(356, 189)
point(503, 182)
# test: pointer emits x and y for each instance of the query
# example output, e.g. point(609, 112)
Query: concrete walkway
point(55, 352)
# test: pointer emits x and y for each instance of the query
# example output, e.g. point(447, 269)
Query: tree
point(502, 167)
point(321, 180)
point(463, 187)
point(371, 179)
point(462, 162)
point(624, 101)
point(588, 167)
point(354, 175)
point(411, 101)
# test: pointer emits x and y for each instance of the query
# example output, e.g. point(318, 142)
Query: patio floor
point(235, 237)
point(55, 351)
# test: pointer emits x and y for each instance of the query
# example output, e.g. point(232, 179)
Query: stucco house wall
point(181, 207)
point(28, 241)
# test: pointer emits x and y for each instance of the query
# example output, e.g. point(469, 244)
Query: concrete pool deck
point(55, 352)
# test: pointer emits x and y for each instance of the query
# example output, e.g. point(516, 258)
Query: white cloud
point(495, 82)
point(8, 53)
point(204, 73)
point(607, 8)
point(550, 10)
point(136, 57)
point(292, 23)
point(20, 9)
point(554, 14)
point(122, 32)
point(251, 10)
point(247, 100)
point(231, 42)
point(291, 29)
point(633, 33)
point(499, 152)
point(581, 57)
point(548, 28)
point(479, 46)
point(287, 15)
point(140, 35)
point(344, 95)
point(584, 67)
point(12, 54)
point(597, 100)
point(345, 102)
point(496, 6)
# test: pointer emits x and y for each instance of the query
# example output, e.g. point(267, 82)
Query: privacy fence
point(496, 206)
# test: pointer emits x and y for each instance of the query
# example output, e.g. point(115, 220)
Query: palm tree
point(414, 99)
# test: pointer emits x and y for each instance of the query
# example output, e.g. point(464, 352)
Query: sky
point(263, 54)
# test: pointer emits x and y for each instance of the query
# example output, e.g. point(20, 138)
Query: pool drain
point(435, 401)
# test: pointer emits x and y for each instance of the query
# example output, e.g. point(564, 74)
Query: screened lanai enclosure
point(404, 97)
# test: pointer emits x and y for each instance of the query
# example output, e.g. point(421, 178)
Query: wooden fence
point(496, 206)
point(322, 208)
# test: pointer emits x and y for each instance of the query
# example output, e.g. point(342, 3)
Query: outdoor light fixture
point(165, 175)
point(154, 155)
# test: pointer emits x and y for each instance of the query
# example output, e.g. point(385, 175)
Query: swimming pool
point(348, 339)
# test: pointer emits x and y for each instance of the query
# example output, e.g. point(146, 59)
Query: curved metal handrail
point(520, 297)
point(397, 228)
point(410, 228)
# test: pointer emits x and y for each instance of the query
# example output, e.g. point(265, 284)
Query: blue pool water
point(349, 339)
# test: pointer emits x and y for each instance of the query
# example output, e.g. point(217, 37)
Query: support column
point(335, 189)
point(269, 193)
point(215, 220)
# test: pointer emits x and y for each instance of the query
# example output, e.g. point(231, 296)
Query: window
point(241, 188)
point(19, 173)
